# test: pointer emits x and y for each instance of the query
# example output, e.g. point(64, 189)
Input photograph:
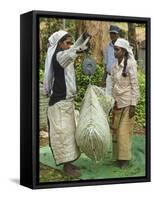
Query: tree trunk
point(132, 38)
point(100, 36)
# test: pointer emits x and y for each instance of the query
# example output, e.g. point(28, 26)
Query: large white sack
point(93, 132)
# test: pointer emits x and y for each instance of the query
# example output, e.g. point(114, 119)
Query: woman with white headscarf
point(125, 91)
point(60, 85)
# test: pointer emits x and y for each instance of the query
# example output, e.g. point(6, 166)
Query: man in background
point(109, 58)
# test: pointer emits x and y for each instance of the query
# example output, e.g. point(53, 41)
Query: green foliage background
point(83, 81)
point(50, 25)
point(141, 106)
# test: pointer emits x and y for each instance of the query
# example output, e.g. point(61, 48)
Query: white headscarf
point(120, 42)
point(49, 73)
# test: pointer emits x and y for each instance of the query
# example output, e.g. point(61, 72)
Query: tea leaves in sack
point(105, 100)
point(93, 132)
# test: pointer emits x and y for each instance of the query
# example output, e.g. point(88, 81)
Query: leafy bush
point(41, 75)
point(140, 108)
point(83, 81)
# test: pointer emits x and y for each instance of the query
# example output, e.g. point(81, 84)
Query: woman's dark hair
point(64, 38)
point(124, 72)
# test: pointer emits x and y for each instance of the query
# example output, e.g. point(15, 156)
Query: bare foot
point(71, 170)
point(123, 164)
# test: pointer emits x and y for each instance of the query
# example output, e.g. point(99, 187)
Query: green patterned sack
point(93, 132)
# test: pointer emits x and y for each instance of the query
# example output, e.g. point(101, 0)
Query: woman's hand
point(131, 111)
point(85, 35)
